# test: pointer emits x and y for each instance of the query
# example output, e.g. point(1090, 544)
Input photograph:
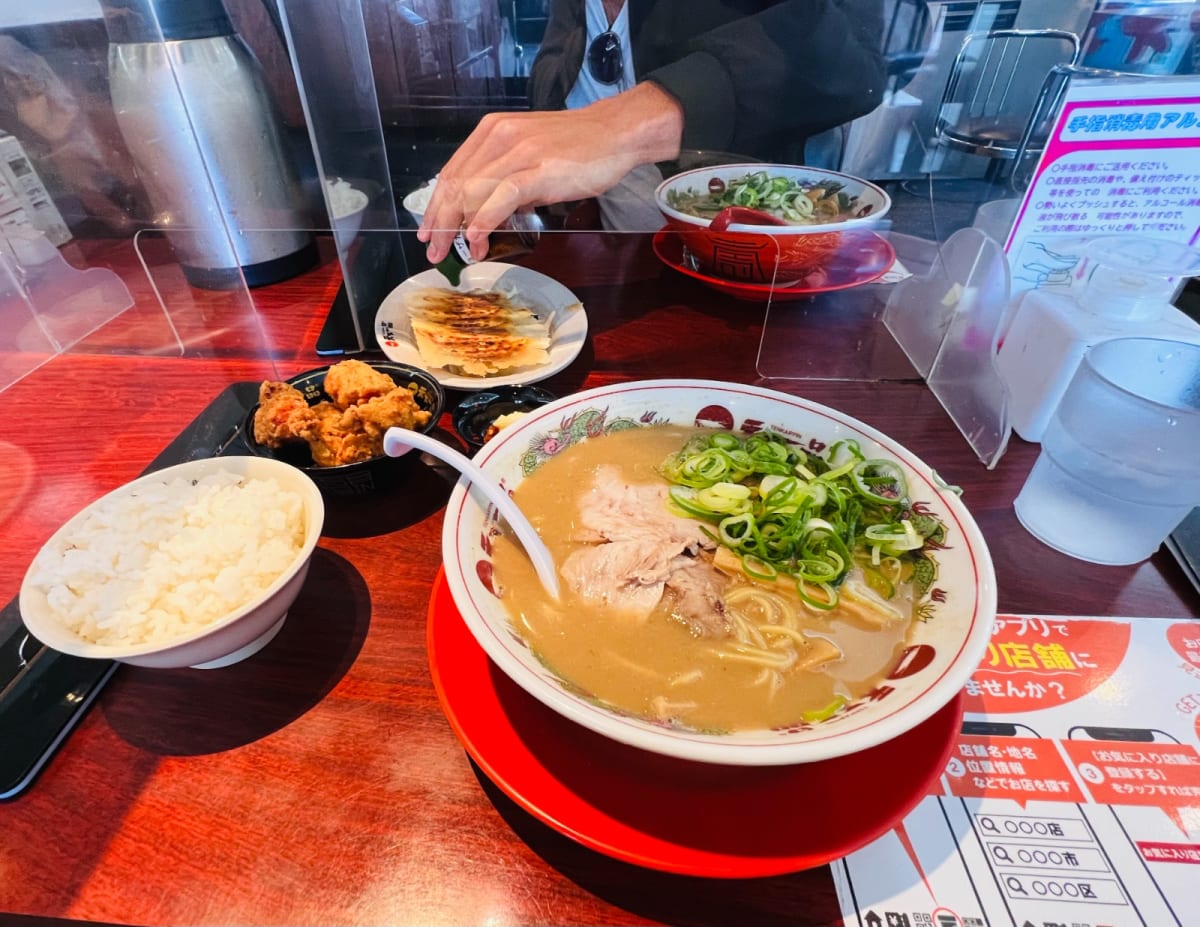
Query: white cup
point(1120, 461)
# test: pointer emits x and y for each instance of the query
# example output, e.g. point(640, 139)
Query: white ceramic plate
point(944, 647)
point(544, 296)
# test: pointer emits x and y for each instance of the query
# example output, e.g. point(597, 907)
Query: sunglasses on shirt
point(604, 58)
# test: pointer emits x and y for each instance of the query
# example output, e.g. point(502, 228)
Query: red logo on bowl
point(714, 417)
point(483, 569)
point(913, 660)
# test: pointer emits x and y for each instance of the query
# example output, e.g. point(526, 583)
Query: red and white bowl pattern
point(768, 254)
point(946, 645)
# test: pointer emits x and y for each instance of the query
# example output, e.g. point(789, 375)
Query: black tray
point(44, 693)
point(1184, 543)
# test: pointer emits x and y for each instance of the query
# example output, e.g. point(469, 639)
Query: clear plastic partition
point(200, 151)
point(391, 90)
point(150, 184)
point(827, 325)
point(328, 42)
point(47, 305)
point(824, 324)
point(947, 317)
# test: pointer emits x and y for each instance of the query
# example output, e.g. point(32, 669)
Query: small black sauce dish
point(363, 476)
point(475, 414)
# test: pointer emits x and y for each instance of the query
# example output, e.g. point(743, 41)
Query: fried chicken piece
point(282, 415)
point(350, 428)
point(346, 435)
point(396, 408)
point(350, 382)
point(336, 437)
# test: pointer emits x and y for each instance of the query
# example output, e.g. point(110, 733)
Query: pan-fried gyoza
point(477, 333)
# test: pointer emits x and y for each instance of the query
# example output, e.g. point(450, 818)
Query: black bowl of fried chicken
point(330, 422)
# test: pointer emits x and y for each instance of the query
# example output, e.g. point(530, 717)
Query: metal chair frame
point(1045, 111)
point(991, 92)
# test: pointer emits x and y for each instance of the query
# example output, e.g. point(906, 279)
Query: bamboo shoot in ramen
point(718, 582)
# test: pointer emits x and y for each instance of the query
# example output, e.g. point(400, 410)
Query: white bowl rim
point(660, 199)
point(711, 748)
point(56, 636)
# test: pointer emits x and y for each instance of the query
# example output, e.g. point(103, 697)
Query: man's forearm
point(647, 121)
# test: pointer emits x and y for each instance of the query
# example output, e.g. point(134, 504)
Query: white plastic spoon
point(399, 441)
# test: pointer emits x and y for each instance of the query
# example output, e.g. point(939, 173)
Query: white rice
point(168, 559)
point(344, 199)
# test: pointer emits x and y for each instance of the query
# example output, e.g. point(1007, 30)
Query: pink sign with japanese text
point(1121, 159)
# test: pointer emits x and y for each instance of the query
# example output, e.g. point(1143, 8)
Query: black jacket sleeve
point(754, 77)
point(559, 56)
point(762, 83)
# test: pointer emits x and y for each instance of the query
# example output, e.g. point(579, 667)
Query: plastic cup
point(1119, 466)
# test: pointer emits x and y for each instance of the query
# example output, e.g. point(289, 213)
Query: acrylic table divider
point(196, 321)
point(328, 44)
point(47, 305)
point(948, 320)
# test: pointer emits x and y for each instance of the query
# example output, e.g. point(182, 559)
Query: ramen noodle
point(660, 616)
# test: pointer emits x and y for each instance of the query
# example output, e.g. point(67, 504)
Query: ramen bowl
point(361, 477)
point(956, 611)
point(748, 242)
point(194, 565)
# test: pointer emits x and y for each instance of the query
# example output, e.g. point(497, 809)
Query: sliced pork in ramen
point(635, 550)
point(626, 575)
point(696, 589)
point(613, 509)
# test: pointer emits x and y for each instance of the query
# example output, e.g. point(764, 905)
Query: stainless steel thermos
point(207, 142)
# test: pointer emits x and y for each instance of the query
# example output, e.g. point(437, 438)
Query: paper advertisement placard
point(1072, 796)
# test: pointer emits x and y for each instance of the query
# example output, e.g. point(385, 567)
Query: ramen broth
point(655, 667)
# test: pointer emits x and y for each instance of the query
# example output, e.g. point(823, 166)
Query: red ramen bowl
point(766, 223)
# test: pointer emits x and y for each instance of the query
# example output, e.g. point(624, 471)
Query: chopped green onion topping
point(787, 512)
point(820, 714)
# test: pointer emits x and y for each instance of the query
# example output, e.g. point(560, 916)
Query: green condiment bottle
point(519, 234)
point(457, 259)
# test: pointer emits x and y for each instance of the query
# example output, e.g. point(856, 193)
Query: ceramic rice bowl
point(222, 641)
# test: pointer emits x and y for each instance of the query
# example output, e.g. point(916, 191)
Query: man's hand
point(535, 159)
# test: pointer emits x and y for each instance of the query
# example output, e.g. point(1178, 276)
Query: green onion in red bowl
point(767, 223)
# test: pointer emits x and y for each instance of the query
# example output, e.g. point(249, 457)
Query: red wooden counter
point(318, 781)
